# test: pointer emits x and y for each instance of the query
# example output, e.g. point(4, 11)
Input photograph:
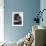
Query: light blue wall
point(43, 6)
point(29, 7)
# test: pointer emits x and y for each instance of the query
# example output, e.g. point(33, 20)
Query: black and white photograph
point(17, 18)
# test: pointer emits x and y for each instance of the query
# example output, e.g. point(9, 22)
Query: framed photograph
point(17, 18)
